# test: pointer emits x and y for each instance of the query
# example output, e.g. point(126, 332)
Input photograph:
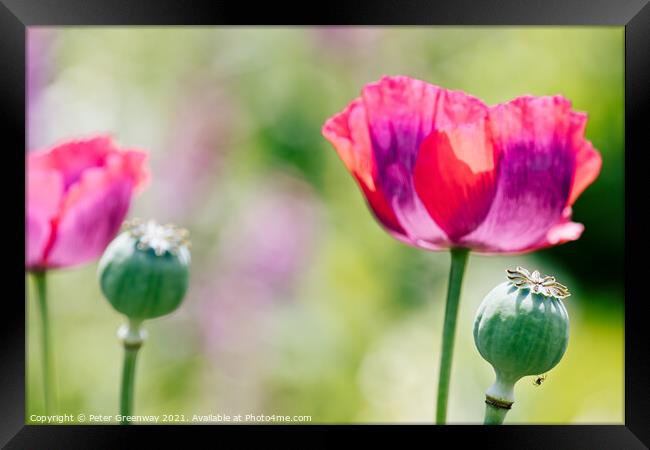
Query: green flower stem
point(46, 362)
point(494, 415)
point(499, 398)
point(132, 336)
point(128, 378)
point(458, 261)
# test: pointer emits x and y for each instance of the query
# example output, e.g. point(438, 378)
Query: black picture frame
point(634, 15)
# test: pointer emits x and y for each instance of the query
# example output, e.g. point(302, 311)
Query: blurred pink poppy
point(440, 169)
point(78, 194)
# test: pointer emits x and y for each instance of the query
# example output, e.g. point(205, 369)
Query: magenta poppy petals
point(588, 165)
point(535, 137)
point(349, 133)
point(44, 195)
point(78, 194)
point(441, 169)
point(401, 113)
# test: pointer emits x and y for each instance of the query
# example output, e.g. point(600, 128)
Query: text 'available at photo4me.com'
point(214, 418)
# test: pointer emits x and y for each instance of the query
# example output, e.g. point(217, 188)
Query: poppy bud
point(521, 328)
point(144, 272)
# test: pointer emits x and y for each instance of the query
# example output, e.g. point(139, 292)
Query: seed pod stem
point(494, 415)
point(132, 336)
point(499, 399)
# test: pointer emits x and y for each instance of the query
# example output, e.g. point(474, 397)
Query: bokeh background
point(299, 303)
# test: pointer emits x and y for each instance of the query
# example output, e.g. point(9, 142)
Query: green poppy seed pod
point(144, 272)
point(521, 328)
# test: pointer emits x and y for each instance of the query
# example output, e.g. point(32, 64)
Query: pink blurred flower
point(78, 194)
point(266, 245)
point(440, 169)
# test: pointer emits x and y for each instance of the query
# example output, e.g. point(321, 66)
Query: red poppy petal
point(401, 113)
point(455, 177)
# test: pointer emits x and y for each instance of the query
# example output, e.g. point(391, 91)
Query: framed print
point(402, 214)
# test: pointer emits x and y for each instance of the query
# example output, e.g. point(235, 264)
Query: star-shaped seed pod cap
point(546, 286)
point(160, 238)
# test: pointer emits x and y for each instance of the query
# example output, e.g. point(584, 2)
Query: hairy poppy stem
point(132, 336)
point(41, 291)
point(458, 261)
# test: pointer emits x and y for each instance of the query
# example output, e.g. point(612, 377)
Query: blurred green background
point(299, 303)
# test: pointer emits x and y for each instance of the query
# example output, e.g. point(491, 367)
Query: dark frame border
point(16, 15)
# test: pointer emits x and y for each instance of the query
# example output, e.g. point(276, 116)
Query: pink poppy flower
point(440, 169)
point(78, 194)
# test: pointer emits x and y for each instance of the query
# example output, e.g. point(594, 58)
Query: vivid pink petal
point(445, 170)
point(92, 214)
point(38, 232)
point(588, 160)
point(455, 177)
point(588, 164)
point(72, 158)
point(133, 163)
point(44, 197)
point(401, 112)
point(348, 133)
point(96, 182)
point(535, 139)
point(563, 231)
